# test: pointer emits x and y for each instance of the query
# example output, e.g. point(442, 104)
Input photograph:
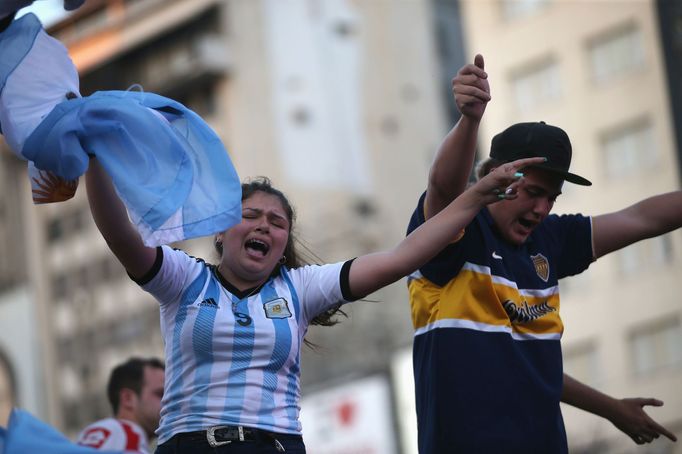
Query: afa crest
point(541, 266)
point(277, 308)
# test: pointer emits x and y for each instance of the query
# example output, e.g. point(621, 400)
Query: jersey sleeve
point(170, 275)
point(418, 217)
point(571, 243)
point(320, 287)
point(447, 263)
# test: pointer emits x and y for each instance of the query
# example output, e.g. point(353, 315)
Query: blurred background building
point(343, 103)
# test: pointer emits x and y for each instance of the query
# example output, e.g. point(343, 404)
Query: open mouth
point(257, 245)
point(526, 223)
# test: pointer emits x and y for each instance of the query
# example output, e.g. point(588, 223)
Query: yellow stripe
point(460, 299)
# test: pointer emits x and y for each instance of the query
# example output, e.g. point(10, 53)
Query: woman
point(233, 332)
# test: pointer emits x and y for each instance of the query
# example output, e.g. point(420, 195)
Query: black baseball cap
point(537, 139)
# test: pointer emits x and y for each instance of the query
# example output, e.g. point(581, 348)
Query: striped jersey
point(234, 357)
point(111, 434)
point(487, 353)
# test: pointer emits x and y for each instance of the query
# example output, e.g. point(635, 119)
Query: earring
point(283, 260)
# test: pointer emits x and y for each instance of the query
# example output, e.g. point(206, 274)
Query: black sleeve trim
point(153, 271)
point(344, 281)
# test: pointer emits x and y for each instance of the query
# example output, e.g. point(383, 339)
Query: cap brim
point(567, 176)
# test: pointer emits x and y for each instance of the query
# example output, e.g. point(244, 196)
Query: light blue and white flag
point(27, 434)
point(168, 166)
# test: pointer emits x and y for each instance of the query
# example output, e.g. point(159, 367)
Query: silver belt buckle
point(210, 436)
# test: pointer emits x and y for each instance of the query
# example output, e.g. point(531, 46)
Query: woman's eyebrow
point(273, 214)
point(278, 216)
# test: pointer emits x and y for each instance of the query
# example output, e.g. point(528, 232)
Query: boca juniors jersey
point(487, 355)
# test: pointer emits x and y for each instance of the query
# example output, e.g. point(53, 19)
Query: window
point(516, 9)
point(657, 346)
point(616, 53)
point(645, 255)
point(60, 286)
point(630, 149)
point(67, 224)
point(55, 230)
point(536, 84)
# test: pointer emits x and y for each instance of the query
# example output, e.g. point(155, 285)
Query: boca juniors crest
point(541, 266)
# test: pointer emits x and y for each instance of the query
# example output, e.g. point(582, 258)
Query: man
point(487, 354)
point(135, 390)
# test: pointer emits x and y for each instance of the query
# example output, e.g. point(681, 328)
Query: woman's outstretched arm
point(112, 220)
point(371, 272)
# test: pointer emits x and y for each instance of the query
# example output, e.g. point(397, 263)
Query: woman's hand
point(502, 181)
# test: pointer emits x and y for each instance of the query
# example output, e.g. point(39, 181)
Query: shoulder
point(170, 263)
point(103, 433)
point(315, 271)
point(566, 227)
point(114, 434)
point(564, 219)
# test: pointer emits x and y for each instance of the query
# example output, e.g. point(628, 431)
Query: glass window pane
point(657, 346)
point(616, 53)
point(630, 149)
point(536, 85)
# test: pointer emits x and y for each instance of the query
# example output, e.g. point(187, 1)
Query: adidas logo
point(210, 302)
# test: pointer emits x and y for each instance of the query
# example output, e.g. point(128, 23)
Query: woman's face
point(252, 248)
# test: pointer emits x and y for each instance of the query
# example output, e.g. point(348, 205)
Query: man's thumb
point(478, 61)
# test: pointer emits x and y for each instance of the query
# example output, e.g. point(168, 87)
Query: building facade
point(331, 100)
point(342, 104)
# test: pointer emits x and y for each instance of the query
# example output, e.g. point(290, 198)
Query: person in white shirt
point(135, 390)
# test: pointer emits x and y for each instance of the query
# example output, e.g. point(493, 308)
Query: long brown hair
point(291, 255)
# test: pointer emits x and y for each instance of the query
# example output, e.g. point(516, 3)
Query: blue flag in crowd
point(27, 434)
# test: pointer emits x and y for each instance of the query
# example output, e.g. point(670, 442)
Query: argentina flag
point(167, 165)
point(27, 434)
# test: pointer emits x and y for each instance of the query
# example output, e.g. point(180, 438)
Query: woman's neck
point(240, 284)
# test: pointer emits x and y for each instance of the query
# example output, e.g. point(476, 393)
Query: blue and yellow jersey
point(487, 353)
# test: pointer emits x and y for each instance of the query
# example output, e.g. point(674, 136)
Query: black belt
point(222, 435)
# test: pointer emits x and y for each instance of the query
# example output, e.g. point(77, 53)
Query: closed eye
point(279, 224)
point(533, 192)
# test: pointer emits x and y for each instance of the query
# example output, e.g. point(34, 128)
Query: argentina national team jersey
point(487, 353)
point(230, 360)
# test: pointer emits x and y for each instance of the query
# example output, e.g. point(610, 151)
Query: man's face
point(148, 406)
point(516, 219)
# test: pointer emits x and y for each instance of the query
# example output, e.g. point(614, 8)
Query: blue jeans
point(292, 444)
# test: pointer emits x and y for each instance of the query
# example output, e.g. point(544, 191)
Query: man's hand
point(471, 89)
point(629, 416)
